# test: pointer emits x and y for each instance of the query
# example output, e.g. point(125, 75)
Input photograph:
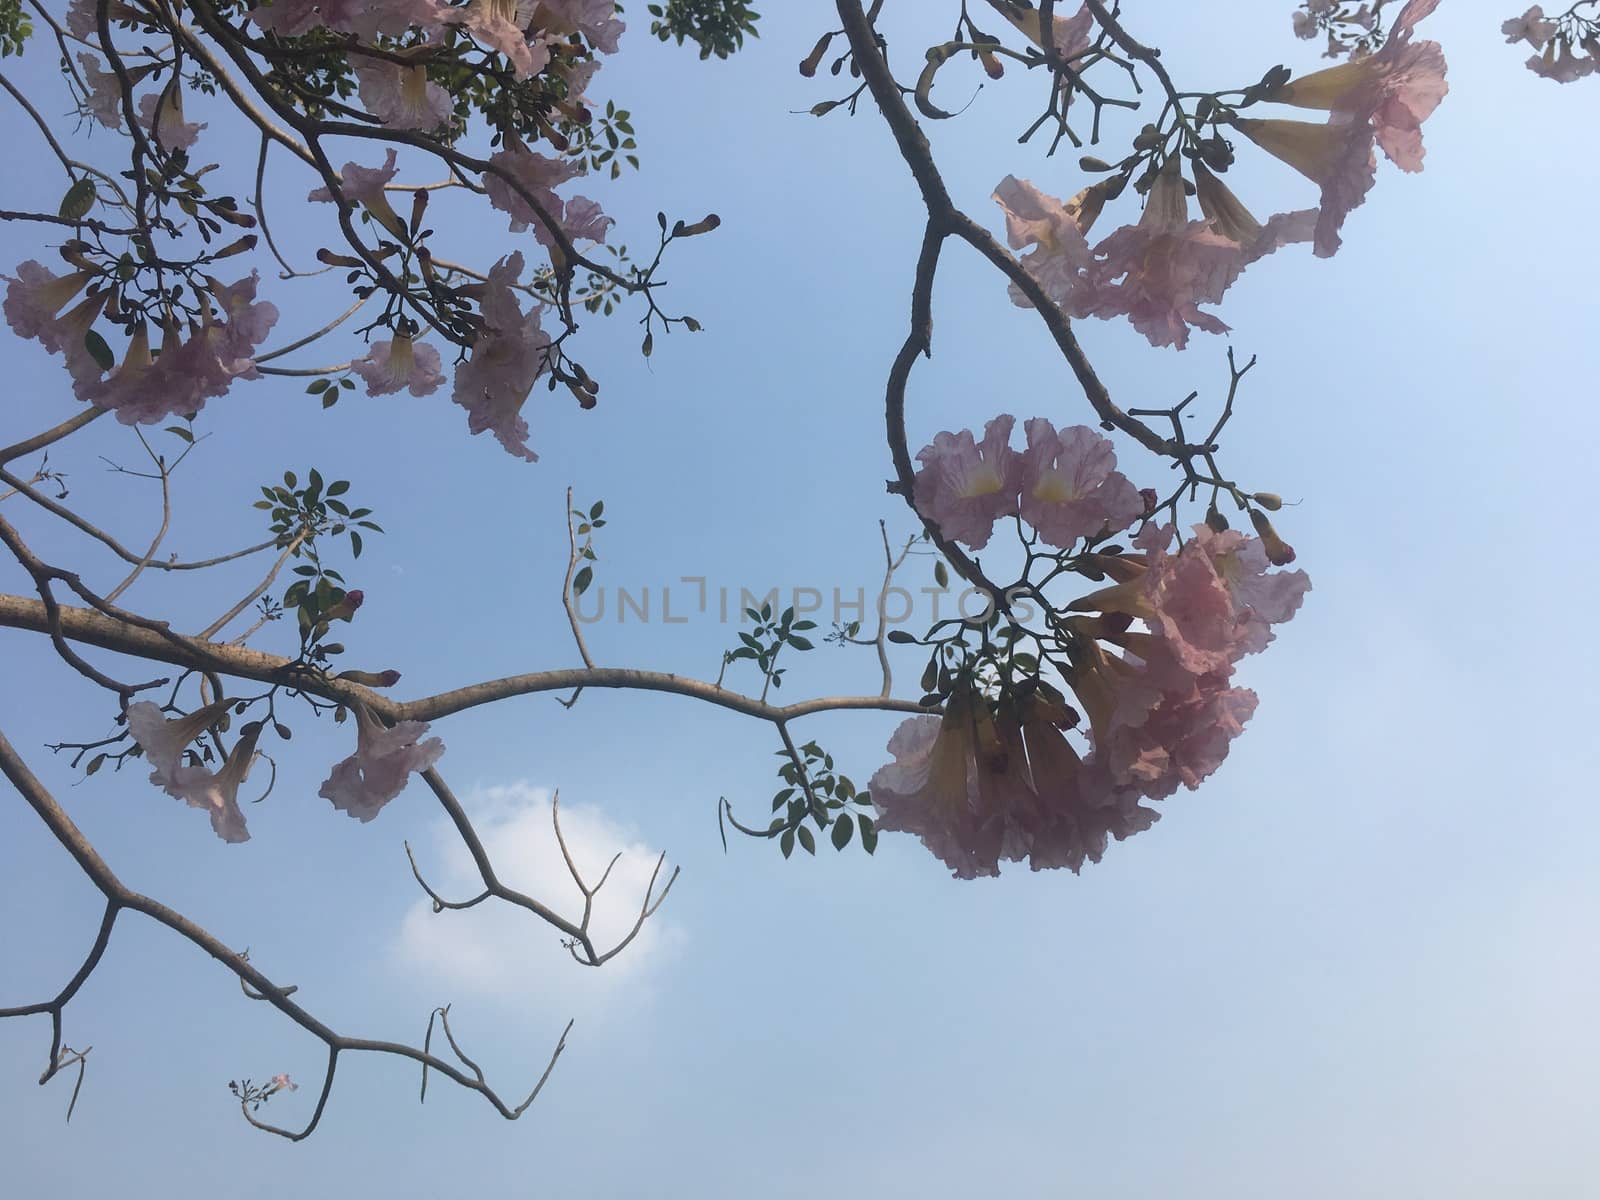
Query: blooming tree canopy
point(1126, 575)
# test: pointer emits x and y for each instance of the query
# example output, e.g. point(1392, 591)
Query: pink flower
point(189, 370)
point(1380, 98)
point(964, 487)
point(34, 295)
point(82, 21)
point(164, 743)
point(400, 363)
point(1207, 606)
point(1158, 272)
point(980, 789)
point(381, 766)
point(1305, 25)
point(367, 186)
point(169, 129)
point(508, 355)
point(360, 185)
point(1068, 35)
point(1069, 487)
point(537, 176)
point(502, 25)
point(963, 812)
point(1559, 63)
point(1262, 598)
point(218, 794)
point(595, 19)
point(1078, 810)
point(583, 220)
point(402, 97)
point(1337, 156)
point(1182, 741)
point(365, 18)
point(105, 92)
point(1229, 218)
point(1060, 254)
point(281, 1082)
point(1530, 27)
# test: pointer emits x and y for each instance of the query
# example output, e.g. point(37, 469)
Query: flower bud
point(1279, 552)
point(1268, 500)
point(809, 64)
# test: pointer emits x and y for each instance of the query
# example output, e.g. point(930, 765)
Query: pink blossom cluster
point(535, 178)
point(381, 766)
point(990, 783)
point(196, 361)
point(1556, 40)
point(1159, 271)
point(523, 31)
point(1064, 484)
point(1376, 100)
point(360, 785)
point(508, 356)
point(1316, 15)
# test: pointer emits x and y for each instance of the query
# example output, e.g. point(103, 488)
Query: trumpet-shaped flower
point(1183, 740)
point(965, 486)
point(1378, 99)
point(1068, 35)
point(400, 363)
point(34, 295)
point(164, 740)
point(218, 794)
point(1059, 255)
point(595, 19)
point(1530, 27)
point(937, 789)
point(502, 25)
point(508, 355)
point(1158, 272)
point(381, 766)
point(164, 743)
point(105, 92)
point(402, 97)
point(1261, 597)
point(161, 114)
point(1558, 62)
point(1070, 489)
point(364, 18)
point(537, 177)
point(1079, 811)
point(367, 186)
point(189, 369)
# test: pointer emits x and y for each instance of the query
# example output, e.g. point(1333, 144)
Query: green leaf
point(800, 643)
point(901, 636)
point(598, 508)
point(338, 487)
point(355, 543)
point(99, 351)
point(869, 833)
point(941, 574)
point(807, 842)
point(80, 197)
point(581, 581)
point(842, 829)
point(786, 842)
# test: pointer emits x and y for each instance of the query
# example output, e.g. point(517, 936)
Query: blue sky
point(1358, 962)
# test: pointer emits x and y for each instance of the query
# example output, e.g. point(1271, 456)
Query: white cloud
point(501, 952)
